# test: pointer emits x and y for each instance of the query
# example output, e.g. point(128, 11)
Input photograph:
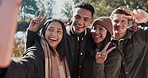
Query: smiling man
point(78, 36)
point(133, 47)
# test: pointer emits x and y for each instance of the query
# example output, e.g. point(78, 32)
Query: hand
point(139, 16)
point(102, 56)
point(36, 22)
point(134, 29)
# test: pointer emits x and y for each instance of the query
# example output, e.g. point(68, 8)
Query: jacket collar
point(70, 31)
point(128, 35)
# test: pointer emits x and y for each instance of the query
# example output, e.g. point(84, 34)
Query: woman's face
point(98, 33)
point(54, 34)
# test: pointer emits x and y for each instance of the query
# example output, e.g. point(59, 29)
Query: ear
point(92, 20)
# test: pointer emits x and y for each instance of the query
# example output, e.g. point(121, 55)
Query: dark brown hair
point(119, 11)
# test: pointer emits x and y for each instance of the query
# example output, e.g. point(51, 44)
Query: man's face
point(120, 24)
point(82, 18)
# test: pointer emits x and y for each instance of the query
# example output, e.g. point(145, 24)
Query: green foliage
point(47, 7)
point(101, 8)
point(22, 25)
point(67, 10)
point(29, 6)
point(105, 7)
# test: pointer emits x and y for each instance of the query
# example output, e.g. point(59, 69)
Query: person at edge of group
point(108, 57)
point(78, 37)
point(46, 58)
point(133, 47)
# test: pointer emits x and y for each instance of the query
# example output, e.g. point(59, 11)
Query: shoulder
point(68, 28)
point(115, 54)
point(34, 50)
point(141, 35)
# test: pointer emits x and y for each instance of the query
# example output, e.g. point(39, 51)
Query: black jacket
point(79, 60)
point(31, 65)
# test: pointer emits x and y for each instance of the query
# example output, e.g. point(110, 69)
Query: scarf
point(54, 67)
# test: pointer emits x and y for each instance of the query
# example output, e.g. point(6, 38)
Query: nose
point(80, 21)
point(53, 33)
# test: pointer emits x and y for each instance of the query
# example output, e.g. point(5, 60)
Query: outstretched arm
point(8, 25)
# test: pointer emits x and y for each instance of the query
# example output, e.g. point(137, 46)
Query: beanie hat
point(105, 22)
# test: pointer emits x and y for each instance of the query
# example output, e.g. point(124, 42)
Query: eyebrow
point(59, 28)
point(87, 18)
point(50, 27)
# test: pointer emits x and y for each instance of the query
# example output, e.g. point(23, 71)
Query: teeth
point(119, 27)
point(97, 36)
point(80, 26)
point(53, 39)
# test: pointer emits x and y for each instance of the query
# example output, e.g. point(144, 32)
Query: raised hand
point(102, 56)
point(36, 22)
point(139, 16)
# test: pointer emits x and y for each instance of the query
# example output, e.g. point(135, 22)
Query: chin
point(97, 41)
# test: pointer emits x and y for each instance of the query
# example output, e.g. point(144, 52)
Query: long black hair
point(106, 40)
point(61, 47)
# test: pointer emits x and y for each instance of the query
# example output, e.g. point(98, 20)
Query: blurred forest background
point(30, 9)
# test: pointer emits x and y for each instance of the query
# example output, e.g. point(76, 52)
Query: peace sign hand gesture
point(102, 56)
point(139, 16)
point(36, 22)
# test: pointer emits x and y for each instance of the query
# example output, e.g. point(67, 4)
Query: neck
point(99, 45)
point(119, 35)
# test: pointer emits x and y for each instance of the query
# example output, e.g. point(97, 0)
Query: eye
point(77, 17)
point(116, 21)
point(59, 31)
point(122, 21)
point(101, 29)
point(50, 29)
point(86, 19)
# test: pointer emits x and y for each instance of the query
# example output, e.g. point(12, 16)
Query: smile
point(53, 39)
point(80, 26)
